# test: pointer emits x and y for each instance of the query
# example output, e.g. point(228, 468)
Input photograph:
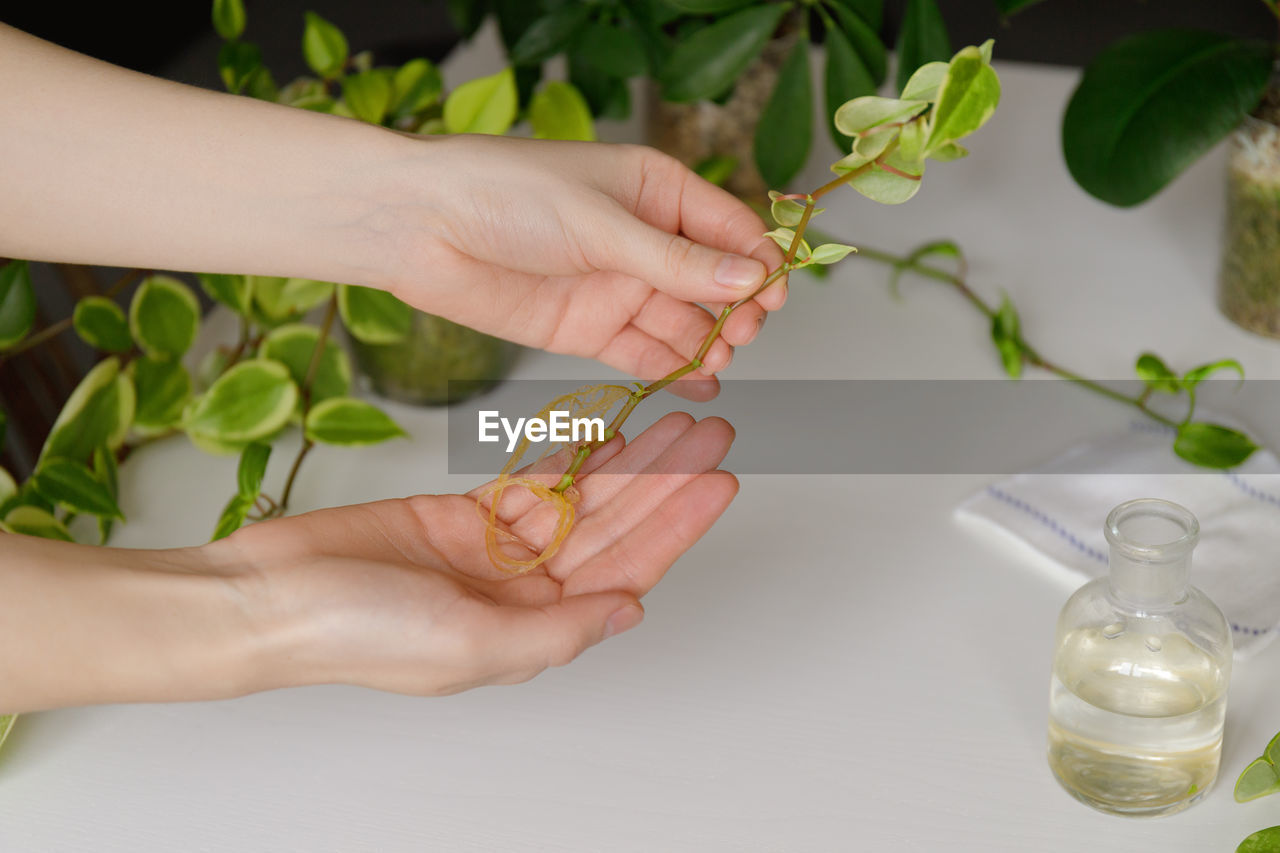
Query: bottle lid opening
point(1152, 529)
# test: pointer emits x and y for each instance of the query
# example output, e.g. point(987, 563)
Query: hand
point(582, 248)
point(400, 595)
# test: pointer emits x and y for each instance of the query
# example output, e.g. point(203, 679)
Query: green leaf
point(368, 94)
point(163, 387)
point(862, 114)
point(1212, 445)
point(34, 521)
point(785, 130)
point(706, 7)
point(73, 486)
point(717, 168)
point(8, 488)
point(1195, 376)
point(870, 11)
point(247, 403)
point(923, 38)
point(865, 42)
point(238, 63)
point(845, 77)
point(98, 412)
point(607, 95)
point(967, 98)
point(164, 316)
point(1155, 374)
point(887, 187)
point(234, 291)
point(483, 105)
point(373, 316)
point(106, 469)
point(281, 299)
point(233, 516)
point(252, 468)
point(101, 323)
point(417, 85)
point(788, 211)
point(228, 18)
point(323, 46)
point(706, 64)
point(1259, 779)
point(549, 34)
point(1151, 104)
point(294, 346)
point(1263, 841)
point(925, 81)
point(1272, 752)
point(784, 238)
point(349, 422)
point(615, 52)
point(6, 726)
point(558, 111)
point(830, 253)
point(17, 303)
point(1005, 334)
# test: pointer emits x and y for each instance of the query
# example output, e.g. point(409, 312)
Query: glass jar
point(1141, 665)
point(1249, 281)
point(440, 362)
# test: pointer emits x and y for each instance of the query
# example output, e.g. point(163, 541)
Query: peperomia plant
point(1259, 779)
point(893, 139)
point(280, 369)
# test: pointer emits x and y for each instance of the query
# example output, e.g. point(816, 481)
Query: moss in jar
point(1249, 287)
point(440, 362)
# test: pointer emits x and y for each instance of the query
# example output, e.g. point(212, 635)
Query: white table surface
point(838, 665)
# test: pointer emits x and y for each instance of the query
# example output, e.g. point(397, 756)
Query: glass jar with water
point(1140, 672)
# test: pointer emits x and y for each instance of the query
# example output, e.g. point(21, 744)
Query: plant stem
point(1030, 354)
point(322, 340)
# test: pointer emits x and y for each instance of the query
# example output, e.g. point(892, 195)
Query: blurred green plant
point(696, 50)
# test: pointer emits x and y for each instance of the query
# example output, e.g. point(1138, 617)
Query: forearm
point(85, 625)
point(103, 165)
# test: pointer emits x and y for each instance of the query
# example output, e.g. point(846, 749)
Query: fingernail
point(623, 619)
point(738, 272)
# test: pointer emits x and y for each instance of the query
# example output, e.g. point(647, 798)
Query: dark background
point(153, 36)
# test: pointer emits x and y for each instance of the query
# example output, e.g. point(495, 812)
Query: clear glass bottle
point(1140, 672)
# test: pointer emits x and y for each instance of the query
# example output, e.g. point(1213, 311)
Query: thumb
point(678, 266)
point(557, 633)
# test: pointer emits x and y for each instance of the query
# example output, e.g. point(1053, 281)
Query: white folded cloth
point(1059, 509)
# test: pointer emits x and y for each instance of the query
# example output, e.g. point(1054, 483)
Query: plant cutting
point(701, 51)
point(894, 138)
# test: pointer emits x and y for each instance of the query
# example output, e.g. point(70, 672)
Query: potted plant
point(733, 92)
point(413, 357)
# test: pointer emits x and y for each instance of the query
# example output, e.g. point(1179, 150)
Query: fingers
point(534, 638)
point(673, 199)
point(638, 560)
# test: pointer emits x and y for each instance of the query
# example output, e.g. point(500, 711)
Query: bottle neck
point(1151, 544)
point(1146, 584)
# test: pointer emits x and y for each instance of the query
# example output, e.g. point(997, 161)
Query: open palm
point(409, 601)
